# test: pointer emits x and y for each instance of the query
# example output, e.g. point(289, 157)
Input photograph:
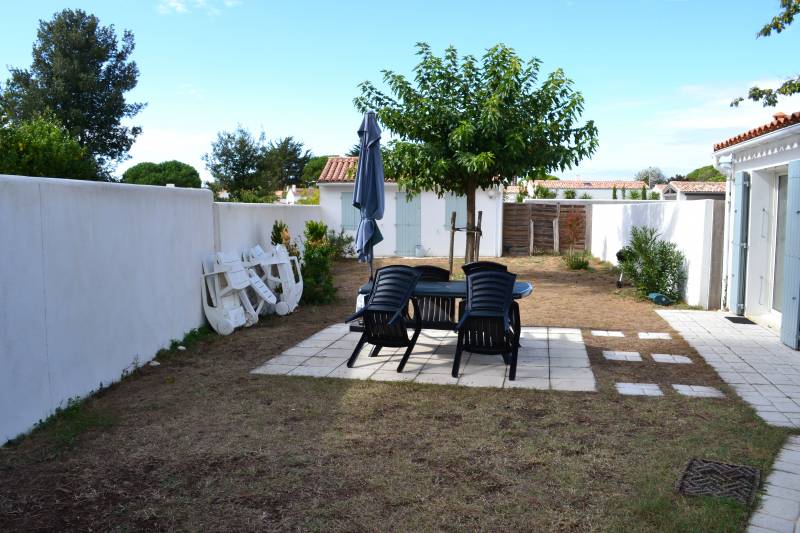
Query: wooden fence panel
point(552, 224)
point(516, 229)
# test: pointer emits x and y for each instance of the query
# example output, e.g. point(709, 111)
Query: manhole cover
point(740, 320)
point(723, 480)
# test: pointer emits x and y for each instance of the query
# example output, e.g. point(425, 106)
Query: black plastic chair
point(486, 326)
point(436, 312)
point(384, 313)
point(490, 266)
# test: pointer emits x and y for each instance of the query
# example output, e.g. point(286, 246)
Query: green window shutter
point(350, 215)
point(790, 318)
point(457, 204)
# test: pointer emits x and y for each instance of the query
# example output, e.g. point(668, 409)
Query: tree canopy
point(283, 162)
point(706, 173)
point(651, 176)
point(80, 73)
point(42, 147)
point(465, 123)
point(781, 21)
point(235, 160)
point(313, 169)
point(175, 172)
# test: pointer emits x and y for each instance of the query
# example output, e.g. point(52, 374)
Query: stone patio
point(549, 359)
point(750, 358)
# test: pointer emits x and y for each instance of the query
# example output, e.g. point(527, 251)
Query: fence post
point(452, 238)
point(478, 235)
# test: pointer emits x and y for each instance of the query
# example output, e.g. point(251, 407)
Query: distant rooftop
point(698, 186)
point(577, 184)
point(779, 120)
point(339, 169)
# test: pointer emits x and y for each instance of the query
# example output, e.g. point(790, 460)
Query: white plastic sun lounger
point(280, 272)
point(225, 300)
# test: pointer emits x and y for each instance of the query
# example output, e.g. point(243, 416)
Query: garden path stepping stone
point(639, 389)
point(603, 333)
point(668, 358)
point(698, 391)
point(722, 480)
point(621, 356)
point(655, 336)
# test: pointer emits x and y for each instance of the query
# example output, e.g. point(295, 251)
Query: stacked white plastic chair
point(225, 300)
point(281, 273)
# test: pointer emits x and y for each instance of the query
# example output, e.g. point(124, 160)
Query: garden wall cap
point(779, 120)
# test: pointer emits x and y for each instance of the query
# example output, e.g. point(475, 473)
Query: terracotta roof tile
point(339, 170)
point(698, 186)
point(779, 120)
point(576, 184)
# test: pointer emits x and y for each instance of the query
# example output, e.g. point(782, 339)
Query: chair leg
point(512, 372)
point(375, 351)
point(359, 346)
point(406, 355)
point(457, 358)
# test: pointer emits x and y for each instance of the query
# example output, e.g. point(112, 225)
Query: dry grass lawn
point(199, 443)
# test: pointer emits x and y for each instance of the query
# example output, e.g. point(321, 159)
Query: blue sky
point(657, 75)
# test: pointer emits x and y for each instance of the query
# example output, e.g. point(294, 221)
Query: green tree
point(313, 169)
point(175, 172)
point(283, 162)
point(651, 176)
point(464, 124)
point(80, 72)
point(355, 151)
point(613, 192)
point(235, 161)
point(706, 173)
point(42, 147)
point(644, 192)
point(769, 97)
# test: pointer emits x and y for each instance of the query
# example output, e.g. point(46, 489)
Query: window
point(350, 215)
point(457, 204)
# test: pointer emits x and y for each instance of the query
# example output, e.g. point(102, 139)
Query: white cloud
point(210, 7)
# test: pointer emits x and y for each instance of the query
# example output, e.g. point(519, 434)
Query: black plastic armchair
point(384, 313)
point(486, 325)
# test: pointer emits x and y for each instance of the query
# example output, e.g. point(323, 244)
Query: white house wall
point(237, 226)
point(688, 224)
point(435, 237)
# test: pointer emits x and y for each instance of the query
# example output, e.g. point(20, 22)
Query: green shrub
point(585, 196)
point(311, 197)
point(542, 192)
point(654, 265)
point(569, 194)
point(655, 195)
point(318, 259)
point(280, 235)
point(175, 172)
point(342, 244)
point(576, 260)
point(636, 195)
point(613, 192)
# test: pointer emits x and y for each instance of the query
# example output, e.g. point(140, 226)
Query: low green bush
point(576, 260)
point(654, 265)
point(343, 244)
point(318, 257)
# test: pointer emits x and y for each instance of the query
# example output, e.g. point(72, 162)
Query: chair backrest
point(392, 288)
point(489, 293)
point(480, 266)
point(432, 273)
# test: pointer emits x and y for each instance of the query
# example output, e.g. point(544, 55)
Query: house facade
point(411, 225)
point(762, 259)
point(693, 190)
point(598, 190)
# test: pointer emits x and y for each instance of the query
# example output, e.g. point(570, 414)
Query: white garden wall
point(238, 227)
point(97, 277)
point(688, 224)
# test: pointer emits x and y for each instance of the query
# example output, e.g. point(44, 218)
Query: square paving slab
point(548, 359)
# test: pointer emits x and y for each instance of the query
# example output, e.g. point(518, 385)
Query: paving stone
point(571, 373)
point(669, 358)
point(481, 380)
point(772, 523)
point(569, 362)
point(528, 383)
point(275, 370)
point(621, 356)
point(436, 379)
point(314, 371)
point(293, 360)
point(540, 372)
point(578, 385)
point(352, 373)
point(393, 375)
point(654, 336)
point(603, 333)
point(639, 389)
point(698, 391)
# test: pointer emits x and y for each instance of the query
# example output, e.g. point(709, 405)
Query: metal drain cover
point(722, 480)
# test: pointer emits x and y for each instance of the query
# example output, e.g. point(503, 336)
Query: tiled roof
point(779, 120)
point(658, 187)
point(339, 170)
point(575, 184)
point(512, 189)
point(698, 186)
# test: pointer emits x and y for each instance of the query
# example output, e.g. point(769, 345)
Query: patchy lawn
point(199, 443)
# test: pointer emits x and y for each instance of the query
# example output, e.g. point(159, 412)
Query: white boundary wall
point(688, 224)
point(97, 277)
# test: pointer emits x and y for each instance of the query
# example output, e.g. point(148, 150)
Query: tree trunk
point(470, 255)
